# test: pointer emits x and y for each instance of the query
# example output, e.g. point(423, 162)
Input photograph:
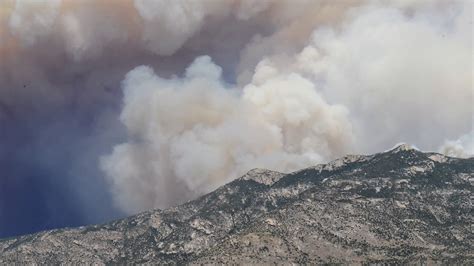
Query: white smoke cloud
point(194, 133)
point(295, 83)
point(33, 19)
point(383, 77)
point(400, 76)
point(462, 147)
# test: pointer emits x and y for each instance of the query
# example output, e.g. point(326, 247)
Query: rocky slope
point(400, 206)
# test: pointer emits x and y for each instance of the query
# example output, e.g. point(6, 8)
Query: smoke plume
point(191, 134)
point(168, 100)
point(462, 147)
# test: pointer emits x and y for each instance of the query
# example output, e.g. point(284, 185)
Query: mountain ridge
point(398, 206)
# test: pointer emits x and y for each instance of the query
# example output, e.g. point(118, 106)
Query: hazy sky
point(109, 108)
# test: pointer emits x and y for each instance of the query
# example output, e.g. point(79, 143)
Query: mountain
point(400, 206)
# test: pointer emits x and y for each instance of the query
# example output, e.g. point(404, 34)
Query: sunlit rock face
point(399, 206)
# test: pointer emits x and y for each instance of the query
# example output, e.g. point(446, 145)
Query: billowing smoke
point(191, 134)
point(212, 89)
point(462, 147)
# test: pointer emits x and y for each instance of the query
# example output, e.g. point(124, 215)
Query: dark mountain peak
point(397, 207)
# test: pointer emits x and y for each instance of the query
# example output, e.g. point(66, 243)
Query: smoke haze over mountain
point(111, 108)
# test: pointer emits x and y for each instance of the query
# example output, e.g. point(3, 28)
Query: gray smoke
point(215, 88)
